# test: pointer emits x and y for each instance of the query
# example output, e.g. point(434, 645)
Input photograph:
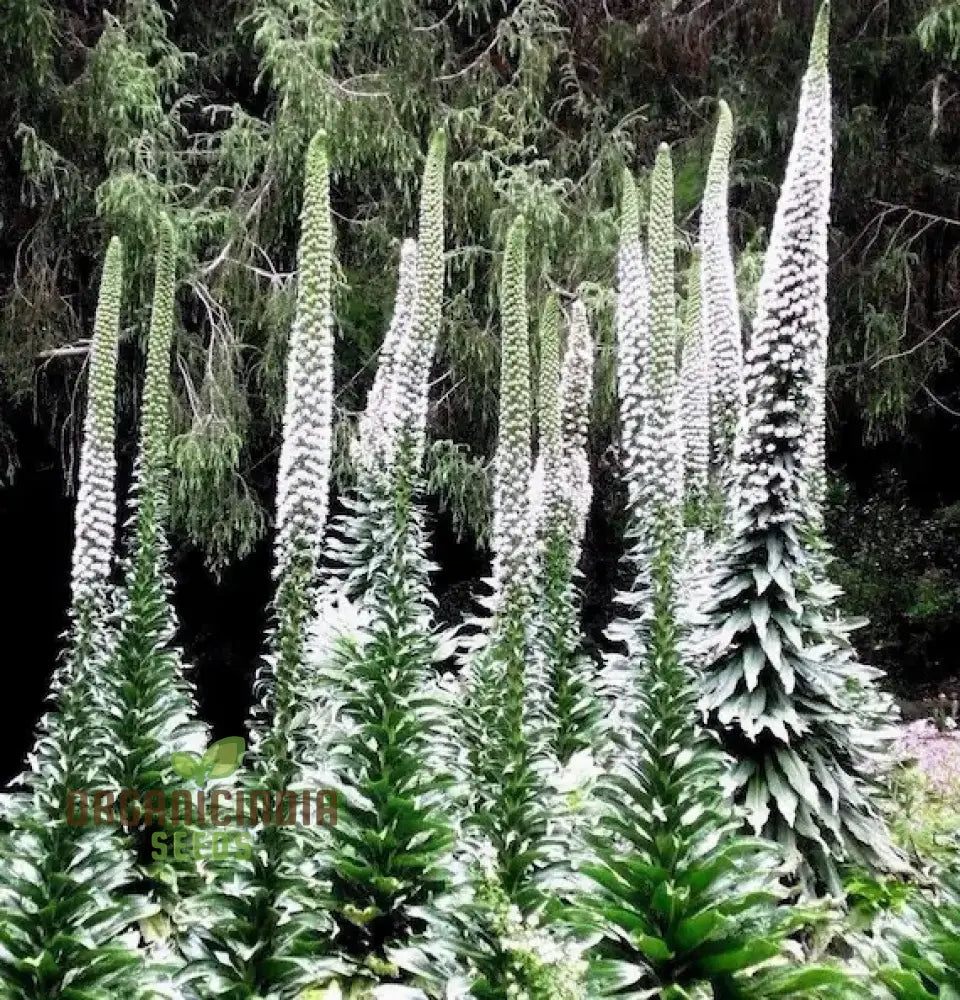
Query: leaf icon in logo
point(185, 764)
point(223, 757)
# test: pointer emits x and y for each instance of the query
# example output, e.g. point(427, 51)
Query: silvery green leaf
point(753, 662)
point(782, 793)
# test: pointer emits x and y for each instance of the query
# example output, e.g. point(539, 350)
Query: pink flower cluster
point(936, 753)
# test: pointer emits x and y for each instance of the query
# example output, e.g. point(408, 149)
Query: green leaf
point(653, 948)
point(360, 917)
point(799, 981)
point(693, 931)
point(610, 976)
point(185, 764)
point(905, 985)
point(223, 757)
point(740, 958)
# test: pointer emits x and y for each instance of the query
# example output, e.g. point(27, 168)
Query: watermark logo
point(220, 760)
point(200, 822)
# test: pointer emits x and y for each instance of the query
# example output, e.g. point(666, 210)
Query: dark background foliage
point(113, 113)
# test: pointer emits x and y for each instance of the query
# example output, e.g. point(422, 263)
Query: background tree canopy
point(116, 113)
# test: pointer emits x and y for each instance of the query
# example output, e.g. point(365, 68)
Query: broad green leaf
point(693, 931)
point(223, 757)
point(905, 985)
point(653, 948)
point(185, 764)
point(740, 958)
point(799, 981)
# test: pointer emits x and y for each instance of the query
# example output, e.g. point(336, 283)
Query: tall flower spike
point(146, 676)
point(549, 399)
point(782, 688)
point(510, 537)
point(549, 487)
point(430, 268)
point(564, 677)
point(789, 329)
point(155, 427)
point(376, 726)
point(384, 403)
point(96, 511)
point(303, 481)
point(664, 797)
point(815, 448)
point(576, 380)
point(633, 341)
point(666, 466)
point(640, 473)
point(576, 391)
point(721, 311)
point(68, 892)
point(503, 711)
point(694, 395)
